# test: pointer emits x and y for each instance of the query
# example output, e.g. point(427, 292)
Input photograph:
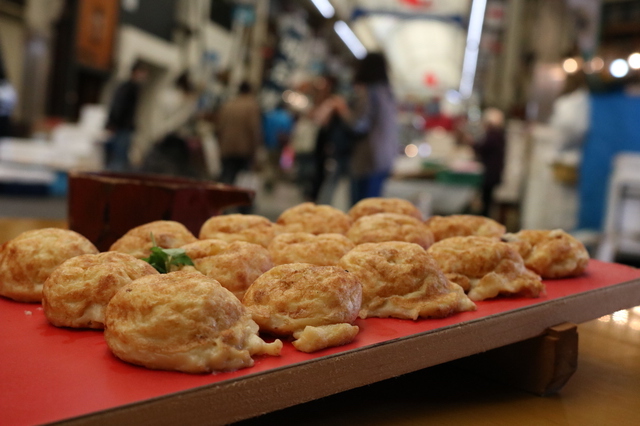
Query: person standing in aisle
point(373, 121)
point(239, 133)
point(277, 125)
point(490, 151)
point(333, 148)
point(121, 120)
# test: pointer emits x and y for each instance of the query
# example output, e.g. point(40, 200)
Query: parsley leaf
point(163, 259)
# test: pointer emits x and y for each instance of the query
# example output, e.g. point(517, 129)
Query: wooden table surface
point(605, 390)
point(12, 227)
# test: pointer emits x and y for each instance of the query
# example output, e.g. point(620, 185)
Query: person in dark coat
point(121, 120)
point(239, 132)
point(490, 151)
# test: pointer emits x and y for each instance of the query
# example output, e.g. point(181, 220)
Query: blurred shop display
point(39, 165)
point(449, 61)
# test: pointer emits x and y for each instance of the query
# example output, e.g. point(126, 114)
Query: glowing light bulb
point(570, 65)
point(619, 68)
point(634, 61)
point(411, 150)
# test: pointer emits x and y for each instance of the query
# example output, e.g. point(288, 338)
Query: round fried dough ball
point(463, 225)
point(240, 227)
point(374, 205)
point(485, 267)
point(315, 219)
point(550, 253)
point(27, 260)
point(290, 297)
point(302, 247)
point(76, 294)
point(382, 227)
point(166, 233)
point(182, 321)
point(401, 280)
point(234, 265)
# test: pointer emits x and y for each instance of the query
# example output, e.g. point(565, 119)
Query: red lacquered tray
point(49, 374)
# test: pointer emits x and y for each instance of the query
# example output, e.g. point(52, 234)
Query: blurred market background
point(564, 73)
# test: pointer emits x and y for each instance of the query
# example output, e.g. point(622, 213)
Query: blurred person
point(490, 151)
point(121, 119)
point(333, 148)
point(277, 125)
point(304, 136)
point(8, 99)
point(321, 114)
point(373, 121)
point(239, 133)
point(570, 116)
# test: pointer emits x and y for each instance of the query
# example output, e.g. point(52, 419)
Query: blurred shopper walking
point(490, 151)
point(239, 132)
point(121, 120)
point(277, 125)
point(373, 121)
point(333, 148)
point(321, 115)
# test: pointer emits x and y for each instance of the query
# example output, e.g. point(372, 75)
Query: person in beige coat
point(239, 132)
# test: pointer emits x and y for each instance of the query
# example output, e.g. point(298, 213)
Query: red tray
point(50, 374)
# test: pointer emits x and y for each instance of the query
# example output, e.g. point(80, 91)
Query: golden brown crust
point(315, 219)
point(550, 253)
point(167, 234)
point(485, 267)
point(78, 291)
point(463, 225)
point(382, 227)
point(374, 205)
point(401, 280)
point(240, 227)
point(182, 321)
point(234, 265)
point(302, 247)
point(290, 297)
point(27, 261)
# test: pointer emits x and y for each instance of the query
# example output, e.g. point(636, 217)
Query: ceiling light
point(350, 39)
point(471, 50)
point(324, 7)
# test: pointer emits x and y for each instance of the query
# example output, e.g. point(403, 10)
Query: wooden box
point(104, 206)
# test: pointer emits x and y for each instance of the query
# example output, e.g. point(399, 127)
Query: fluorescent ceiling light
point(324, 7)
point(350, 39)
point(471, 50)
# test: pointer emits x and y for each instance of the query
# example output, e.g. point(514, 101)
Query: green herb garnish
point(162, 259)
